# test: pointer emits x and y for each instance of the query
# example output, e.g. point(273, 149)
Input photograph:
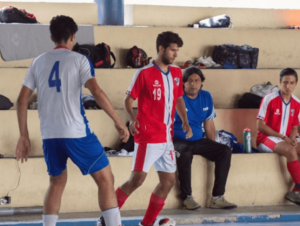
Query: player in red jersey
point(159, 89)
point(277, 123)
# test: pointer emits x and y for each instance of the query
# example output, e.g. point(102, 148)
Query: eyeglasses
point(197, 81)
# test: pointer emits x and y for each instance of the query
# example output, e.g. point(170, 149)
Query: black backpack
point(233, 56)
point(5, 103)
point(249, 100)
point(10, 14)
point(137, 58)
point(99, 54)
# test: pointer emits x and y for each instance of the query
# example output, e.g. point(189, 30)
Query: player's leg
point(144, 156)
point(56, 160)
point(136, 179)
point(298, 146)
point(166, 167)
point(280, 147)
point(89, 155)
point(54, 193)
point(107, 196)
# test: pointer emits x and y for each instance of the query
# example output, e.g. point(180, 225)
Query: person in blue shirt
point(200, 110)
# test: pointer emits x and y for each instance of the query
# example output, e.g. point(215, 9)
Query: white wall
point(263, 4)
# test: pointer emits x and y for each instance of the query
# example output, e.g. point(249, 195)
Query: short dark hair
point(288, 71)
point(166, 38)
point(192, 70)
point(62, 28)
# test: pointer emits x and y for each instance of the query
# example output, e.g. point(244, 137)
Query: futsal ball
point(164, 222)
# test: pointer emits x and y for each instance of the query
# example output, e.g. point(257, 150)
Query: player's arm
point(103, 101)
point(262, 127)
point(293, 134)
point(23, 147)
point(209, 127)
point(180, 108)
point(134, 124)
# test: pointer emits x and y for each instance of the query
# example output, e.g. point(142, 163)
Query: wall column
point(110, 12)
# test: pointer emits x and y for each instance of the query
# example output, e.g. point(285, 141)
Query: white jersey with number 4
point(59, 76)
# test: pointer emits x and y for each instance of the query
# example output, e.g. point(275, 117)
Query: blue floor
point(215, 224)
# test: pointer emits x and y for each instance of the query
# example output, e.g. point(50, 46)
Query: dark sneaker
point(294, 197)
point(190, 204)
point(221, 203)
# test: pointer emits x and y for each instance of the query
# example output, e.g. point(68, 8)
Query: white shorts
point(269, 143)
point(161, 155)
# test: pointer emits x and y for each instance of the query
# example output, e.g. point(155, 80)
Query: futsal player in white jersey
point(58, 76)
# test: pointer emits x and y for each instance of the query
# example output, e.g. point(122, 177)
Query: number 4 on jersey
point(56, 82)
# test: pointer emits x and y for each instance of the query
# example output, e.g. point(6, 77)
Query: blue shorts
point(87, 153)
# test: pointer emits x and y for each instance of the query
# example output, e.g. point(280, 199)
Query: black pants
point(213, 151)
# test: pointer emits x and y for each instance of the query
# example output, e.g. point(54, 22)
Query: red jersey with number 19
point(157, 94)
point(278, 115)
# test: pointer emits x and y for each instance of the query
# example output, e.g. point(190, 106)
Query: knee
point(290, 151)
point(137, 182)
point(168, 183)
point(57, 183)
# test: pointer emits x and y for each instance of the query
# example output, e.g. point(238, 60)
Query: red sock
point(121, 197)
point(294, 169)
point(155, 206)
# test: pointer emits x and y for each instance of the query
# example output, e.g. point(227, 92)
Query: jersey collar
point(153, 62)
point(61, 47)
point(283, 99)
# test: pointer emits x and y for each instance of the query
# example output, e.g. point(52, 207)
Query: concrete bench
point(226, 86)
point(168, 16)
point(254, 180)
point(198, 42)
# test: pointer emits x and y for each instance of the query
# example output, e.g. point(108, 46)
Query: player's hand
point(23, 149)
point(186, 128)
point(123, 132)
point(290, 141)
point(133, 125)
point(293, 141)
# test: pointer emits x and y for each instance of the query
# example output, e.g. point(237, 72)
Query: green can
point(247, 140)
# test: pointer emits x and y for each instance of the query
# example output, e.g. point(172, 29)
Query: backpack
point(89, 102)
point(249, 100)
point(5, 103)
point(137, 58)
point(233, 56)
point(10, 14)
point(226, 138)
point(99, 54)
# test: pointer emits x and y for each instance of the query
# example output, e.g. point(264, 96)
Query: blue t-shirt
point(198, 110)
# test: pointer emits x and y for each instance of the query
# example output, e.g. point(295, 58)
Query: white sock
point(49, 220)
point(217, 197)
point(112, 217)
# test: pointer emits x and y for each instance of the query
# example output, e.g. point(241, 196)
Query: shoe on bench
point(221, 203)
point(190, 204)
point(294, 197)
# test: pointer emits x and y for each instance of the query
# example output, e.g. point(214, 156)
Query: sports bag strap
point(113, 56)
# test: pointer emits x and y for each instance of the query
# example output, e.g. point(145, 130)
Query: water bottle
point(247, 140)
